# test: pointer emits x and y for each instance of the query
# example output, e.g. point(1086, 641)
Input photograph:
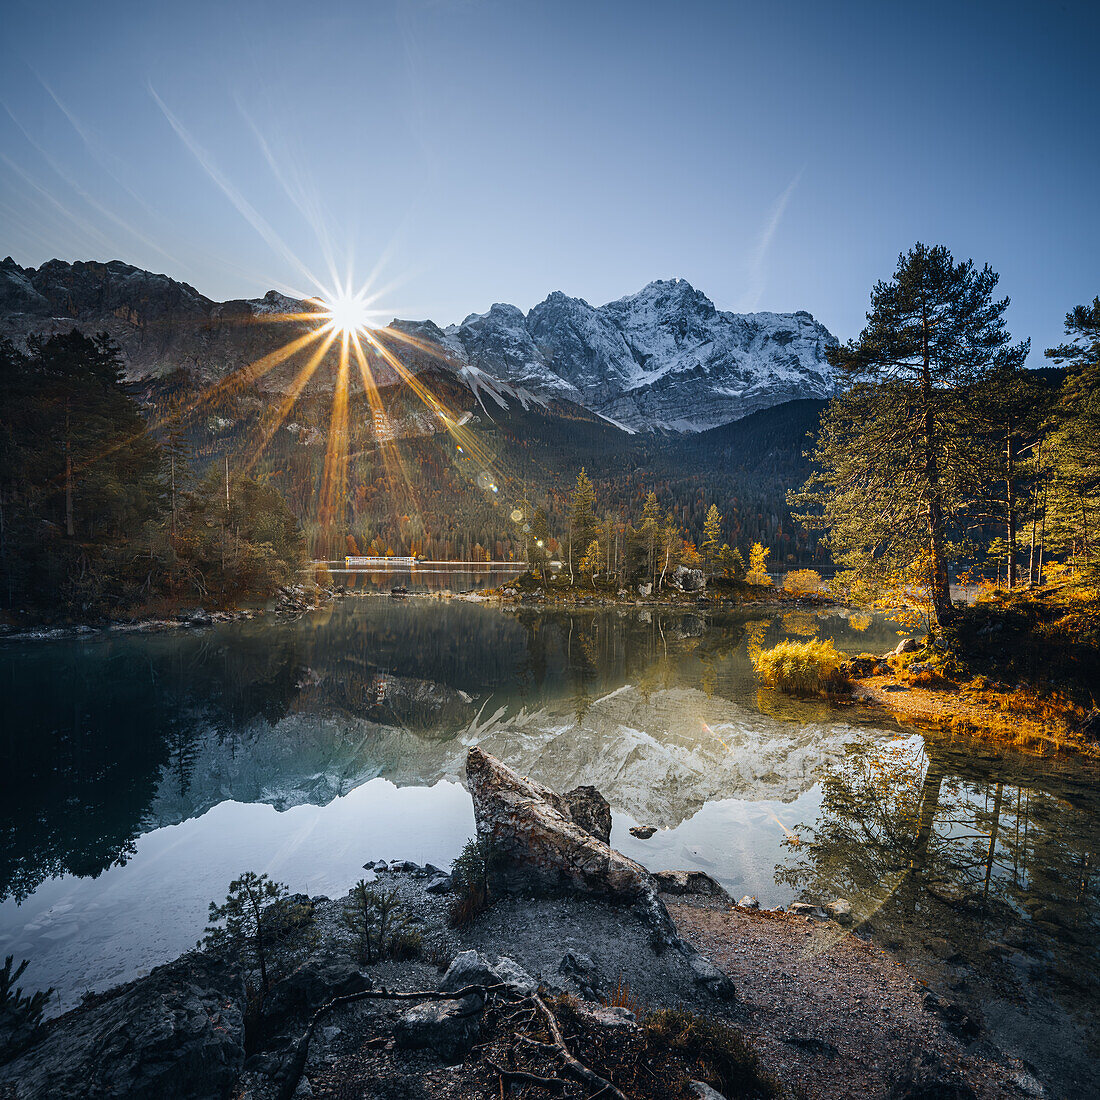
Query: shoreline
point(811, 1002)
point(288, 600)
point(294, 600)
point(997, 714)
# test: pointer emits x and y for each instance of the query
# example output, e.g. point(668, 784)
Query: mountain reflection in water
point(109, 738)
point(143, 771)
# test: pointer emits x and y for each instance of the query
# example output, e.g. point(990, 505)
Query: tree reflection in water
point(933, 841)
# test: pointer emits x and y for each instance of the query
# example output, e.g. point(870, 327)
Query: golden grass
point(802, 668)
point(1037, 723)
point(623, 997)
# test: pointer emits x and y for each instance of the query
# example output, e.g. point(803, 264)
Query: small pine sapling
point(255, 921)
point(470, 875)
point(20, 1013)
point(379, 923)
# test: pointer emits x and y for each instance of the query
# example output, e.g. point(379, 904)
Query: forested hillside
point(414, 485)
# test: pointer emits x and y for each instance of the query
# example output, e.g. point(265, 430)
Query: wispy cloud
point(115, 168)
point(244, 207)
point(71, 180)
point(758, 258)
point(80, 228)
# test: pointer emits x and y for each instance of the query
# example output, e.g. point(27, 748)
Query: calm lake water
point(143, 772)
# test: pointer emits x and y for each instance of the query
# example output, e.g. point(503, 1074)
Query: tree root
point(551, 1084)
point(578, 1069)
point(557, 1046)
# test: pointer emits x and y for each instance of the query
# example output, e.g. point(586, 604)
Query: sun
point(346, 314)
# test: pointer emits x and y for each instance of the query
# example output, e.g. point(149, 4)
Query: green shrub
point(802, 668)
point(470, 876)
point(406, 944)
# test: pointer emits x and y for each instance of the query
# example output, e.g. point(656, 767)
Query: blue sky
point(777, 155)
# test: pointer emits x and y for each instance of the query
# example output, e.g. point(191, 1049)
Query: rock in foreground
point(537, 845)
point(167, 1037)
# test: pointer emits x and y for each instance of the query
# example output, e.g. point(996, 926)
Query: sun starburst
point(346, 313)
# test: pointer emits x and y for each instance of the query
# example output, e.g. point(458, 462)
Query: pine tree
point(583, 524)
point(590, 562)
point(1075, 443)
point(732, 563)
point(650, 534)
point(896, 454)
point(1017, 411)
point(540, 541)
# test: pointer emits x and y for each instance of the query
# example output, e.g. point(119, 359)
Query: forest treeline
point(99, 517)
point(431, 493)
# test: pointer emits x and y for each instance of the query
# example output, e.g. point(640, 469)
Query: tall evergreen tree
point(583, 525)
point(896, 462)
point(650, 534)
point(1075, 442)
point(1018, 410)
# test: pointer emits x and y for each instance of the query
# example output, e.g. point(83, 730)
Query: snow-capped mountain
point(661, 358)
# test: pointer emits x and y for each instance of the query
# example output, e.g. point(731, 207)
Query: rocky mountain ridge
point(663, 358)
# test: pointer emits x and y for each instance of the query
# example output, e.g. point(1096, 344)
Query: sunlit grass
point(802, 668)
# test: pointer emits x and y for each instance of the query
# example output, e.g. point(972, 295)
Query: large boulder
point(169, 1036)
point(466, 969)
point(688, 580)
point(471, 968)
point(447, 1027)
point(537, 846)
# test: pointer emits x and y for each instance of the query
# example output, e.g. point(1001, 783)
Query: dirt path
point(833, 1015)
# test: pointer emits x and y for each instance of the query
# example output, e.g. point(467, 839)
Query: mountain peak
point(661, 357)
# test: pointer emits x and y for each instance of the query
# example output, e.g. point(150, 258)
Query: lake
point(144, 771)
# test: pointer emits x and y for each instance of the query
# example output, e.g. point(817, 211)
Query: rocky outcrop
point(536, 845)
point(688, 580)
point(446, 1027)
point(313, 983)
point(170, 1036)
point(691, 882)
